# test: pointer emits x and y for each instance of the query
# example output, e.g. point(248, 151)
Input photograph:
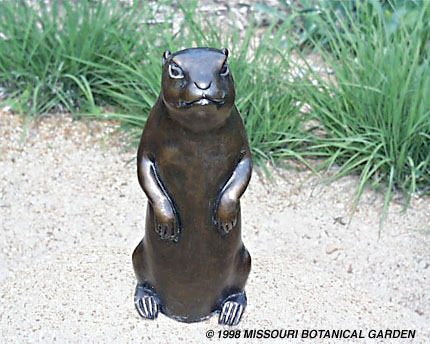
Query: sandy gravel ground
point(71, 212)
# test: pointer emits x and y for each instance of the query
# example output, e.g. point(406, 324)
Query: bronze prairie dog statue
point(194, 163)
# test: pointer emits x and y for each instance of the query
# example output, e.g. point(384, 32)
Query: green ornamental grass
point(374, 110)
point(42, 50)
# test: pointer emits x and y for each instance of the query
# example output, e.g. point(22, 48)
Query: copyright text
point(312, 334)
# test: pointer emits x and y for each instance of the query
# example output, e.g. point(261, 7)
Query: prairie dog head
point(197, 88)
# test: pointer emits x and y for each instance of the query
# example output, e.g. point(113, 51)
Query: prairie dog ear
point(166, 55)
point(225, 51)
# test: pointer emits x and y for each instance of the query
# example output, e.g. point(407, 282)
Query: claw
point(233, 314)
point(145, 308)
point(175, 230)
point(155, 308)
point(149, 306)
point(238, 315)
point(227, 227)
point(139, 308)
point(230, 312)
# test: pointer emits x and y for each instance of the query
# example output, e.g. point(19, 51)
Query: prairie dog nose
point(203, 85)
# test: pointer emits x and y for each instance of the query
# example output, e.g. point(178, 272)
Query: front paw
point(166, 222)
point(225, 217)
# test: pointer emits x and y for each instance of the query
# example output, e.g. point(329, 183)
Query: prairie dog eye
point(175, 72)
point(224, 70)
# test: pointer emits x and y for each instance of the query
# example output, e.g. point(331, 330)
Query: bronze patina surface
point(194, 163)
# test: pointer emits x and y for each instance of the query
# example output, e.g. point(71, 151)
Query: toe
point(144, 307)
point(163, 232)
point(148, 307)
point(221, 319)
point(232, 314)
point(154, 309)
point(238, 315)
point(139, 307)
point(175, 231)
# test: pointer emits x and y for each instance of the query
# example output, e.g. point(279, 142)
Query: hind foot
point(146, 302)
point(232, 309)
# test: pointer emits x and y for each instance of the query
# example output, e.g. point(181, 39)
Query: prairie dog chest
point(210, 158)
